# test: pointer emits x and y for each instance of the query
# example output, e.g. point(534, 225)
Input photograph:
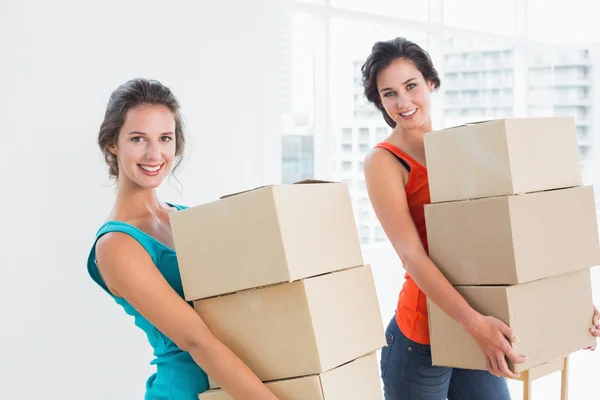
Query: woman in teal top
point(133, 257)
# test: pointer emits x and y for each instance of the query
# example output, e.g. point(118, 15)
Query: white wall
point(60, 336)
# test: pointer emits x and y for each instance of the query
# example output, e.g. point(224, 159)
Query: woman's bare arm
point(129, 272)
point(386, 189)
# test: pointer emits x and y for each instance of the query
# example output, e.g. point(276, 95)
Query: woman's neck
point(134, 202)
point(410, 139)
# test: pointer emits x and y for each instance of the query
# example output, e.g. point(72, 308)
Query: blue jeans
point(407, 374)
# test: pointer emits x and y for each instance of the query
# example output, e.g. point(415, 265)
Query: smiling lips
point(151, 170)
point(408, 114)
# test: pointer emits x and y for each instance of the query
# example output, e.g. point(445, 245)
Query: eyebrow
point(411, 79)
point(143, 133)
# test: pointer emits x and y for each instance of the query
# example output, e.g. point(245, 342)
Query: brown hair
point(132, 94)
point(382, 55)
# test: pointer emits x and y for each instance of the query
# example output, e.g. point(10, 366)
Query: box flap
point(305, 181)
point(243, 191)
point(468, 124)
point(477, 122)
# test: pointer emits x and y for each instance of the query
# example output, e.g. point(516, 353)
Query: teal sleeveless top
point(177, 375)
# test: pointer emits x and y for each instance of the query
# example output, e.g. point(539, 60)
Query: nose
point(403, 102)
point(152, 151)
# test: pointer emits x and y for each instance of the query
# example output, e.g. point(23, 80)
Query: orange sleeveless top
point(411, 313)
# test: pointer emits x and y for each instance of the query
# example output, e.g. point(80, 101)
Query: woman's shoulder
point(384, 157)
point(117, 232)
point(118, 237)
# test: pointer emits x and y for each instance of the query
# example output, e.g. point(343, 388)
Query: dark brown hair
point(382, 55)
point(134, 93)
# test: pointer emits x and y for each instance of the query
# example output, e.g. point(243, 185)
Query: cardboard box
point(301, 328)
point(357, 380)
point(514, 239)
point(551, 316)
point(265, 236)
point(502, 157)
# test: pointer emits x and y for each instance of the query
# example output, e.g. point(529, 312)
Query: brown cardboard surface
point(356, 380)
point(514, 239)
point(304, 388)
point(551, 316)
point(543, 369)
point(502, 157)
point(300, 328)
point(265, 236)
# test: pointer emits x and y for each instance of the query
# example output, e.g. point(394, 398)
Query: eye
point(166, 138)
point(136, 139)
point(410, 86)
point(389, 94)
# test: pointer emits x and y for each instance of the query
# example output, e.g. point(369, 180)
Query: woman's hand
point(595, 329)
point(491, 336)
point(385, 177)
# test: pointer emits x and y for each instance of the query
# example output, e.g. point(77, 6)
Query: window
point(453, 97)
point(380, 234)
point(542, 22)
point(481, 72)
point(365, 231)
point(416, 10)
point(490, 67)
point(347, 134)
point(365, 234)
point(297, 97)
point(560, 90)
point(364, 135)
point(380, 134)
point(583, 134)
point(362, 186)
point(481, 15)
point(297, 158)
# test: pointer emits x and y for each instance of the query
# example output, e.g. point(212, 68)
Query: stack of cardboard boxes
point(277, 275)
point(513, 228)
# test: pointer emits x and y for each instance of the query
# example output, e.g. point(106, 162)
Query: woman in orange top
point(399, 78)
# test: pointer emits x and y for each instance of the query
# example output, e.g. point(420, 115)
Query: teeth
point(408, 114)
point(150, 169)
